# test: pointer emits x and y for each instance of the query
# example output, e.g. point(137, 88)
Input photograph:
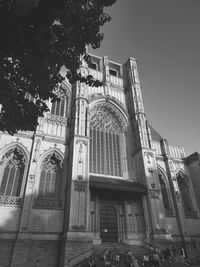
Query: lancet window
point(59, 107)
point(165, 193)
point(12, 173)
point(105, 141)
point(185, 193)
point(50, 177)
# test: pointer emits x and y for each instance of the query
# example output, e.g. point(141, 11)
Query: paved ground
point(100, 263)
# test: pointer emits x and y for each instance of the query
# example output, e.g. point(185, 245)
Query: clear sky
point(164, 37)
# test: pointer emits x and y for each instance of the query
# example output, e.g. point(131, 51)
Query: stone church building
point(95, 171)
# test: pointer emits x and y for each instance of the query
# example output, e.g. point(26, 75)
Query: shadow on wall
point(29, 238)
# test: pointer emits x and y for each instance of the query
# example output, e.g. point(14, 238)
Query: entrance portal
point(108, 224)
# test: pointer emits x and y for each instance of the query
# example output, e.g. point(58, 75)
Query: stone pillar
point(106, 76)
point(175, 194)
point(97, 222)
point(127, 211)
point(22, 235)
point(79, 232)
point(148, 223)
point(159, 229)
point(79, 202)
point(31, 173)
point(142, 151)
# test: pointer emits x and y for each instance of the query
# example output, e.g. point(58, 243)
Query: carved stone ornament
point(63, 90)
point(31, 182)
point(80, 186)
point(108, 118)
point(149, 156)
point(57, 119)
point(150, 170)
point(14, 157)
point(81, 141)
point(155, 195)
point(10, 200)
point(53, 161)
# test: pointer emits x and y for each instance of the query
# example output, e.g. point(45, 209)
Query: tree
point(38, 37)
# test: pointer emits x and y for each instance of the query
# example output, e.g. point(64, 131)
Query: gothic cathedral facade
point(95, 171)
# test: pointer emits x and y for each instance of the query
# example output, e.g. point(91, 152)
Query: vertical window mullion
point(100, 152)
point(113, 154)
point(13, 182)
point(118, 154)
point(90, 144)
point(94, 150)
point(110, 153)
point(96, 153)
point(50, 184)
point(7, 180)
point(44, 185)
point(105, 156)
point(107, 153)
point(118, 160)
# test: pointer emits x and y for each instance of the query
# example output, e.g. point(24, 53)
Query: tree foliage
point(38, 37)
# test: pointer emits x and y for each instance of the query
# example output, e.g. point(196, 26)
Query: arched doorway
point(108, 224)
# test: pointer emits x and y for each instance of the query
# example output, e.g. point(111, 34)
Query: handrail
point(83, 252)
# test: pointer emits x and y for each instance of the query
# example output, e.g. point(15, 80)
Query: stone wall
point(35, 253)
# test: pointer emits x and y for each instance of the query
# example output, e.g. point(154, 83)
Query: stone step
point(138, 251)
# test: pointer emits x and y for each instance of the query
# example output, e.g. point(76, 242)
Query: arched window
point(12, 172)
point(185, 193)
point(50, 177)
point(59, 107)
point(106, 132)
point(50, 182)
point(165, 194)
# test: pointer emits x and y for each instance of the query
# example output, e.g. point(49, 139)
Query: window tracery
point(50, 183)
point(106, 117)
point(106, 128)
point(165, 194)
point(185, 192)
point(11, 177)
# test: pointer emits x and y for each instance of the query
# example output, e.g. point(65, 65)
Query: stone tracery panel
point(11, 176)
point(50, 184)
point(106, 117)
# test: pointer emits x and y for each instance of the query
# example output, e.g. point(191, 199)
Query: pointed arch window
point(12, 175)
point(106, 131)
point(50, 183)
point(165, 194)
point(186, 196)
point(59, 108)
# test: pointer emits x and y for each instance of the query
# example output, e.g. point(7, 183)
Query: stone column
point(31, 173)
point(127, 229)
point(157, 213)
point(142, 152)
point(97, 222)
point(148, 224)
point(180, 217)
point(78, 176)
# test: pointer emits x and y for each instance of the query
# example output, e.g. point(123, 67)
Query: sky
point(164, 37)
